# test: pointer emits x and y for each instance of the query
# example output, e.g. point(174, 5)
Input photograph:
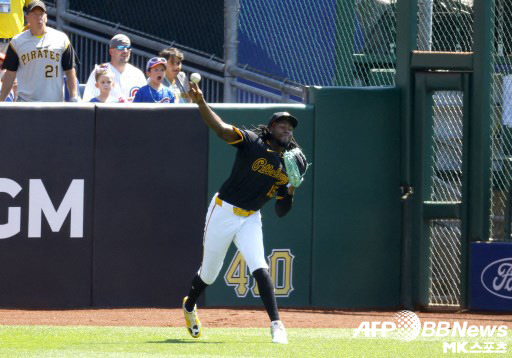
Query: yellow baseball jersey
point(11, 17)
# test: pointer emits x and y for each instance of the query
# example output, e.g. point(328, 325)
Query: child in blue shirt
point(155, 91)
point(104, 82)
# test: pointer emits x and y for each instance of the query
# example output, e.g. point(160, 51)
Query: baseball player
point(127, 78)
point(257, 176)
point(38, 58)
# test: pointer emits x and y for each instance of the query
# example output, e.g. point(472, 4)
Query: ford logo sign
point(497, 278)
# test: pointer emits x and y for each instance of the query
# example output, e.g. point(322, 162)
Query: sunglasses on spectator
point(122, 47)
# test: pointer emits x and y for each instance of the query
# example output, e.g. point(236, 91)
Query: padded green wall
point(344, 229)
point(356, 242)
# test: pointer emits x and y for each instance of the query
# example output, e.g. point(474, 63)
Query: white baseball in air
point(195, 77)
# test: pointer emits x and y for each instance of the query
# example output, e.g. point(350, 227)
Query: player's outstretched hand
point(195, 93)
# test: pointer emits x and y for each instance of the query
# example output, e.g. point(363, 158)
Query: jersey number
point(272, 191)
point(49, 70)
point(281, 268)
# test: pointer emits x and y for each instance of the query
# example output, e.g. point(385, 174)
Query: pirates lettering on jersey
point(258, 173)
point(40, 54)
point(261, 166)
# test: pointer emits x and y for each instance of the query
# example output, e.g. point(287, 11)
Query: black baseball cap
point(283, 115)
point(35, 4)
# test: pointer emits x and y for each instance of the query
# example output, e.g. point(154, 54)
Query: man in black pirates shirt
point(258, 175)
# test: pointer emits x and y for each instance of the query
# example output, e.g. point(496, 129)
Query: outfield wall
point(51, 147)
point(342, 237)
point(104, 205)
point(143, 172)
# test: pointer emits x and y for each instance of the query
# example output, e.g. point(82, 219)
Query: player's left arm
point(284, 201)
point(68, 63)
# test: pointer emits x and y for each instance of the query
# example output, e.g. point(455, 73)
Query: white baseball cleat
point(192, 321)
point(278, 332)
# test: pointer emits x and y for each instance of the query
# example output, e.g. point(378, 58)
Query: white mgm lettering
point(40, 204)
point(13, 225)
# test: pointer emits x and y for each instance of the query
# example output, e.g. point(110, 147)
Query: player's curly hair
point(262, 131)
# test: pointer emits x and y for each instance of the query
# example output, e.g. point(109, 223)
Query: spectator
point(11, 97)
point(37, 58)
point(104, 82)
point(175, 79)
point(11, 21)
point(155, 91)
point(2, 58)
point(127, 78)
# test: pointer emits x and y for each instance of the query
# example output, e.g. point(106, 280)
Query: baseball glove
point(296, 165)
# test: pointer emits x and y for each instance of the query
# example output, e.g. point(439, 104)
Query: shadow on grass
point(184, 341)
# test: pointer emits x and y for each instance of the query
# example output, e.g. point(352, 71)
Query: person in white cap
point(38, 58)
point(127, 78)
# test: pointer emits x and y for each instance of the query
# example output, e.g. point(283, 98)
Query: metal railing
point(92, 48)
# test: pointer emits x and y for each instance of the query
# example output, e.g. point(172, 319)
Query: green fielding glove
point(296, 165)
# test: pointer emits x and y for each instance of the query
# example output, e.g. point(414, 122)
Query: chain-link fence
point(192, 25)
point(303, 42)
point(445, 235)
point(447, 146)
point(311, 42)
point(446, 25)
point(445, 253)
point(320, 42)
point(501, 111)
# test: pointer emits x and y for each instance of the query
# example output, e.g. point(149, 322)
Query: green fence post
point(479, 141)
point(406, 33)
point(480, 124)
point(466, 165)
point(422, 181)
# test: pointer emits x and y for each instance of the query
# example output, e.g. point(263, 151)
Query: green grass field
point(86, 341)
